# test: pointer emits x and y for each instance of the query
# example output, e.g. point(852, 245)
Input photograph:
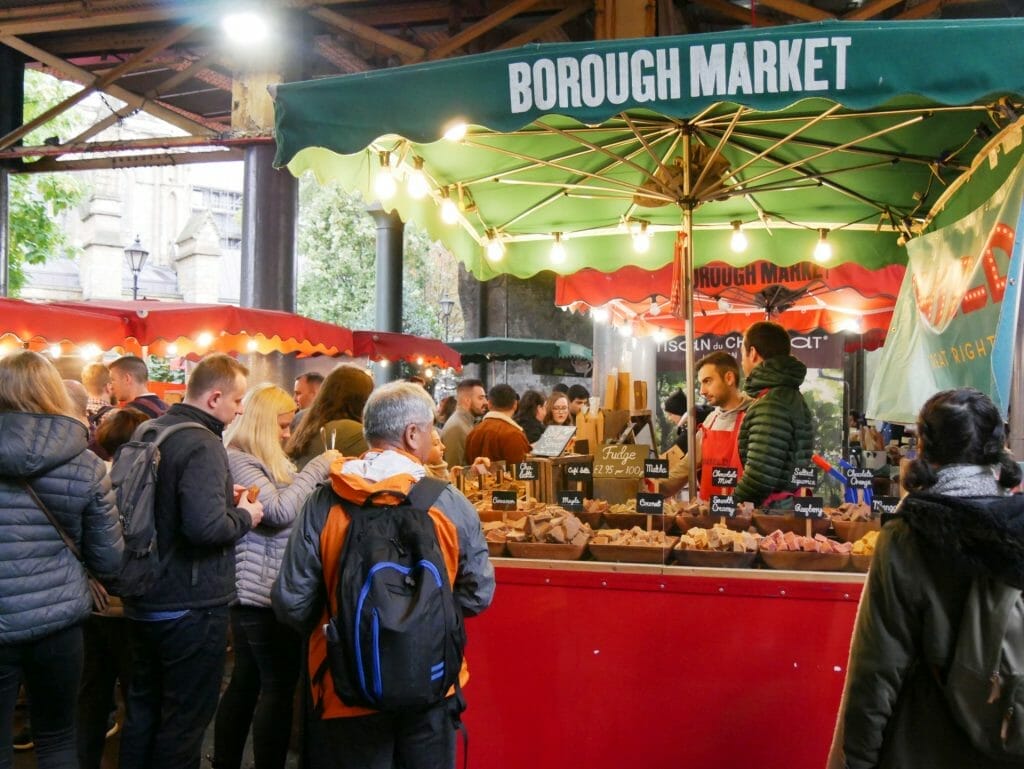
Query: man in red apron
point(718, 375)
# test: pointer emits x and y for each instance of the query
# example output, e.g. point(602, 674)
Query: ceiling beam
point(550, 23)
point(134, 145)
point(97, 84)
point(408, 52)
point(52, 165)
point(472, 32)
point(797, 10)
point(154, 108)
point(735, 12)
point(870, 10)
point(346, 61)
point(921, 11)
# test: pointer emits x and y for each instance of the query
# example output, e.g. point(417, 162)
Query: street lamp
point(447, 305)
point(136, 256)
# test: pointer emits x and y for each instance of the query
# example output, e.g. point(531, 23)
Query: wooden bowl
point(545, 550)
point(860, 563)
point(797, 560)
point(851, 531)
point(766, 524)
point(591, 519)
point(722, 559)
point(625, 520)
point(738, 523)
point(633, 553)
point(496, 549)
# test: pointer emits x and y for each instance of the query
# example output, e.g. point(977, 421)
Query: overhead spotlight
point(417, 183)
point(456, 132)
point(600, 314)
point(384, 186)
point(449, 209)
point(823, 249)
point(558, 250)
point(495, 250)
point(245, 27)
point(642, 239)
point(739, 239)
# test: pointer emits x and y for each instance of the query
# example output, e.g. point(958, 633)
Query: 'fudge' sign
point(623, 460)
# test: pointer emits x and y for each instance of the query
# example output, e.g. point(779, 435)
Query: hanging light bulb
point(384, 362)
point(558, 250)
point(739, 239)
point(456, 132)
point(660, 336)
point(655, 308)
point(853, 325)
point(252, 345)
point(419, 360)
point(205, 339)
point(172, 350)
point(724, 304)
point(384, 186)
point(626, 329)
point(449, 210)
point(90, 351)
point(428, 373)
point(642, 239)
point(417, 183)
point(55, 350)
point(823, 249)
point(600, 314)
point(495, 250)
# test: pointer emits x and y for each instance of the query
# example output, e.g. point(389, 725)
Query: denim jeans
point(108, 657)
point(261, 691)
point(51, 668)
point(422, 739)
point(177, 667)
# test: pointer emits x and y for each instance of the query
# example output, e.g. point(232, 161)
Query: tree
point(337, 265)
point(38, 202)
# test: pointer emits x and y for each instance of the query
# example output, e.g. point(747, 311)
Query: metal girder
point(51, 165)
point(552, 22)
point(408, 52)
point(472, 32)
point(797, 9)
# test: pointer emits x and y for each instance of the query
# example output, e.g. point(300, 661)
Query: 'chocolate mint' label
point(808, 507)
point(724, 476)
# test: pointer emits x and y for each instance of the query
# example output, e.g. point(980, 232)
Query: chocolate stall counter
point(610, 665)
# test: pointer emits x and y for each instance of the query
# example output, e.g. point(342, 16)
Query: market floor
point(26, 759)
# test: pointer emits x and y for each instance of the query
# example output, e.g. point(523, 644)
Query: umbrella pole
point(686, 294)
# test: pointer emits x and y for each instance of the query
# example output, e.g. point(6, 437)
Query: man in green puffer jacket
point(777, 434)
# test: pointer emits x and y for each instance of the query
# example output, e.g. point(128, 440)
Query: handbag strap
point(53, 520)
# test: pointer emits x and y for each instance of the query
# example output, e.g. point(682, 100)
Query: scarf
point(968, 481)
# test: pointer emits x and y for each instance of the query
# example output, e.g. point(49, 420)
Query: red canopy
point(802, 297)
point(389, 345)
point(41, 325)
point(178, 328)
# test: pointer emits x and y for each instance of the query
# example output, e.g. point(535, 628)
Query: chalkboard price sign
point(620, 461)
point(578, 471)
point(804, 477)
point(571, 501)
point(808, 507)
point(503, 500)
point(526, 471)
point(884, 506)
point(650, 504)
point(656, 468)
point(553, 440)
point(860, 479)
point(722, 506)
point(724, 476)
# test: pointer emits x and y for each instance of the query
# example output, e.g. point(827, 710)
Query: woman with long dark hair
point(530, 415)
point(335, 419)
point(44, 591)
point(958, 523)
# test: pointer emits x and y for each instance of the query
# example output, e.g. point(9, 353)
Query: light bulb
point(384, 362)
point(558, 250)
point(90, 351)
point(172, 350)
point(655, 308)
point(626, 329)
point(244, 27)
point(55, 350)
point(599, 314)
point(495, 251)
point(724, 304)
point(251, 345)
point(419, 361)
point(642, 239)
point(449, 211)
point(428, 373)
point(853, 325)
point(456, 132)
point(739, 239)
point(823, 249)
point(205, 339)
point(416, 182)
point(660, 336)
point(384, 186)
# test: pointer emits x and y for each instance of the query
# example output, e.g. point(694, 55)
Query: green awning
point(491, 348)
point(855, 128)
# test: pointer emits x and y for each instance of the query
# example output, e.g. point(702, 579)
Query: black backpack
point(134, 476)
point(398, 638)
point(984, 685)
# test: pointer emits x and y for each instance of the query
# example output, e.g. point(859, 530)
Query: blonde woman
point(44, 592)
point(266, 652)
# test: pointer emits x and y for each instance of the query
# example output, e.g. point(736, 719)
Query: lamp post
point(136, 256)
point(447, 305)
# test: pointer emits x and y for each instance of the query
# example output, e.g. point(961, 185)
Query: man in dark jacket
point(178, 630)
point(777, 434)
point(129, 378)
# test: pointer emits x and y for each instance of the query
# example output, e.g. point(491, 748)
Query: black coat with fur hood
point(893, 712)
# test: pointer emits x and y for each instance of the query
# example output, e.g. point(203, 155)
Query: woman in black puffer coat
point(44, 594)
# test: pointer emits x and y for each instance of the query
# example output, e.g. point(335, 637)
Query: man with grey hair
point(398, 422)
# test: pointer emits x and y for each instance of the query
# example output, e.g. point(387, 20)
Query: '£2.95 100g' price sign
point(620, 461)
